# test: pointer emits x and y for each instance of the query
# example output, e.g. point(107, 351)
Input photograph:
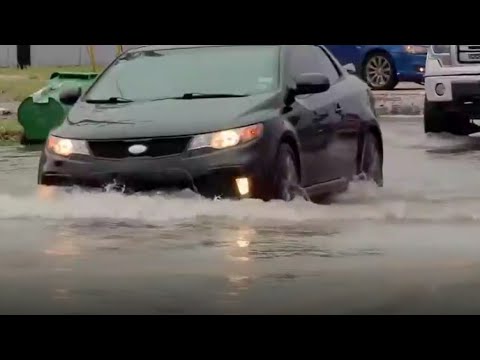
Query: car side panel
point(352, 96)
point(309, 115)
point(340, 131)
point(315, 134)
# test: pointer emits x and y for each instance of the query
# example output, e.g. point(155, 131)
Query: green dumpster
point(42, 111)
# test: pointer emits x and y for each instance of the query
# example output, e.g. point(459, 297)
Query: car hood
point(166, 118)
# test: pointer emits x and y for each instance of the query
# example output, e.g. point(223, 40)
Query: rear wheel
point(286, 181)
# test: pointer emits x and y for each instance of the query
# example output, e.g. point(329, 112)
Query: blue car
point(382, 67)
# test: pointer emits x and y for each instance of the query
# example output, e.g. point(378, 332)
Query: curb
point(401, 118)
point(400, 103)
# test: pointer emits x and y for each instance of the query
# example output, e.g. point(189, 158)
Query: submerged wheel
point(372, 160)
point(437, 120)
point(434, 119)
point(379, 72)
point(286, 179)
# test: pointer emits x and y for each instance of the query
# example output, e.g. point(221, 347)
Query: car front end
point(232, 163)
point(410, 62)
point(453, 78)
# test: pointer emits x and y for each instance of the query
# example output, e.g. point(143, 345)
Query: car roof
point(179, 47)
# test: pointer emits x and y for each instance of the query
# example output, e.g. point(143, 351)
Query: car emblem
point(137, 149)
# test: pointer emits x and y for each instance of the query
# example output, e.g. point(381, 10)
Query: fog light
point(422, 70)
point(243, 186)
point(440, 89)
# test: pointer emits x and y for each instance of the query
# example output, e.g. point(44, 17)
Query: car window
point(328, 67)
point(301, 60)
point(311, 59)
point(147, 75)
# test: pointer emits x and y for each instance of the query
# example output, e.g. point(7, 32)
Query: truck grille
point(468, 54)
point(155, 147)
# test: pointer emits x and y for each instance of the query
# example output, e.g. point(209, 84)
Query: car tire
point(371, 168)
point(40, 180)
point(380, 60)
point(286, 178)
point(434, 118)
point(437, 120)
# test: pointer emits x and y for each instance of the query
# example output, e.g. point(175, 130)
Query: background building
point(56, 55)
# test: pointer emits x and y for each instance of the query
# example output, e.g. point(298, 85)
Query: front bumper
point(212, 174)
point(458, 89)
point(410, 67)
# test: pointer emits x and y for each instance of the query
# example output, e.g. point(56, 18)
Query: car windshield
point(158, 74)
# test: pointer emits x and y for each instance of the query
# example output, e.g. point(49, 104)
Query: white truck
point(452, 86)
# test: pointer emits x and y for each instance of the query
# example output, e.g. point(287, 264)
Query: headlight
point(441, 53)
point(227, 139)
point(66, 147)
point(416, 49)
point(441, 49)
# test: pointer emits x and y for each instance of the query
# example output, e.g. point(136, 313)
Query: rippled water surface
point(411, 247)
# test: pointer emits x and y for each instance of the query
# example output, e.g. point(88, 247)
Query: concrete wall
point(8, 55)
point(60, 55)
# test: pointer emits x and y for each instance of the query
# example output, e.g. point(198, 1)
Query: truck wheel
point(379, 71)
point(434, 119)
point(437, 120)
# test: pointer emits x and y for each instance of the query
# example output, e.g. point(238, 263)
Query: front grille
point(155, 147)
point(468, 54)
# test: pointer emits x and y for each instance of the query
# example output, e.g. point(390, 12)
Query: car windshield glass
point(158, 74)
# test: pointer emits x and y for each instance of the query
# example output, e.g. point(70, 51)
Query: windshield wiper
point(112, 100)
point(193, 96)
point(189, 96)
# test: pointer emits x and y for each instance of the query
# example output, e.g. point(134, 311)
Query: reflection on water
point(63, 252)
point(372, 250)
point(64, 248)
point(61, 294)
point(240, 240)
point(239, 278)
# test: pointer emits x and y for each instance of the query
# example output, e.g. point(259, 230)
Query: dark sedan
point(252, 121)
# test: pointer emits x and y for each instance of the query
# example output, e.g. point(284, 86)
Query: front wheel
point(438, 120)
point(372, 160)
point(434, 119)
point(286, 182)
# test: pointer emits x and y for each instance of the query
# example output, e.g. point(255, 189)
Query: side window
point(302, 60)
point(311, 59)
point(326, 65)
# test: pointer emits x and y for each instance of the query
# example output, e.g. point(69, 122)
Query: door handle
point(339, 109)
point(320, 117)
point(294, 120)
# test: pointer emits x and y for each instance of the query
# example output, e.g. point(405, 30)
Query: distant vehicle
point(267, 122)
point(452, 88)
point(382, 67)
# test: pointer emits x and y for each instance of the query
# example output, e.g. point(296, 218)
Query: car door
point(341, 129)
point(312, 116)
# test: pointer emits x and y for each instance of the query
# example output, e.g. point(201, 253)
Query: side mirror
point(70, 97)
point(312, 83)
point(351, 69)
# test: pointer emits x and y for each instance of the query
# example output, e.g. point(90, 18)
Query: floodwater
point(410, 248)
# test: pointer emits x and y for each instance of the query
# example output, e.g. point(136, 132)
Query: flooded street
point(410, 248)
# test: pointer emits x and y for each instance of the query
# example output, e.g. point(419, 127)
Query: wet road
point(410, 248)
